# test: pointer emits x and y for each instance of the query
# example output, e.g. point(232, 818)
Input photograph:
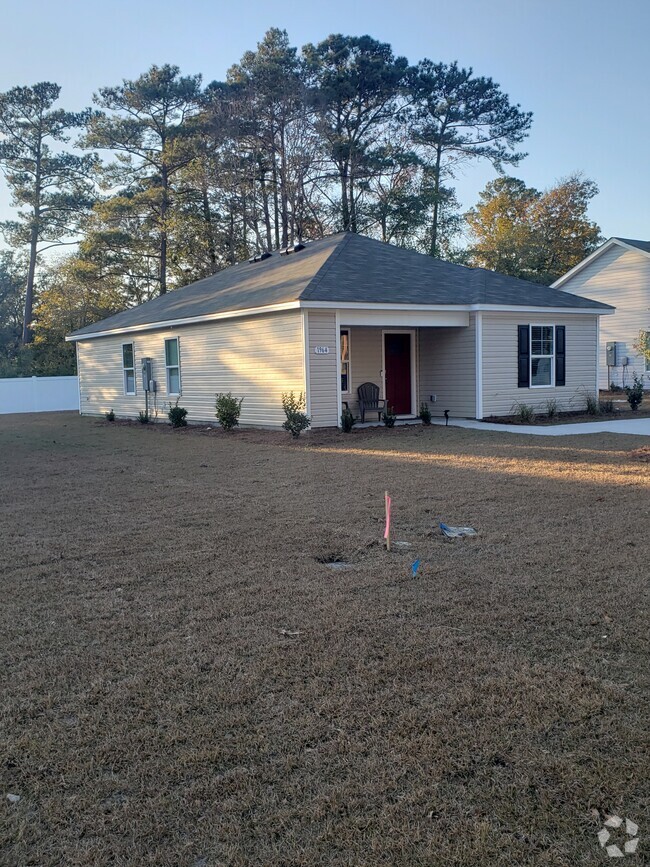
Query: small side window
point(172, 366)
point(128, 368)
point(345, 360)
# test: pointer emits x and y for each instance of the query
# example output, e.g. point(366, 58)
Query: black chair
point(369, 400)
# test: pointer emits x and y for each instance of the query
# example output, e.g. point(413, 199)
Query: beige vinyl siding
point(447, 361)
point(619, 277)
point(323, 369)
point(500, 351)
point(256, 357)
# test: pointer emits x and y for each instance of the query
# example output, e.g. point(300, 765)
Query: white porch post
point(338, 368)
point(479, 365)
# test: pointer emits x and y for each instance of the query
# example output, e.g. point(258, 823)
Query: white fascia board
point(458, 308)
point(328, 305)
point(599, 252)
point(190, 320)
point(520, 308)
point(361, 305)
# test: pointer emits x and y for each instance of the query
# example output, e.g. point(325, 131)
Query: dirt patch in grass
point(185, 681)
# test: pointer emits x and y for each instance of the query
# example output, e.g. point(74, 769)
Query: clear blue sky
point(582, 67)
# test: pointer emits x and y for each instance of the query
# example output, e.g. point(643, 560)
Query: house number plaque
point(321, 350)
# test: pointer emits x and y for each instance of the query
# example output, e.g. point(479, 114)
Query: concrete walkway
point(638, 427)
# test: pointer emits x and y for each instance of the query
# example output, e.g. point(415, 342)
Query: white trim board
point(362, 309)
point(478, 337)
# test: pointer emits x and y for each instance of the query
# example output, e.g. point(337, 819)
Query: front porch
point(411, 366)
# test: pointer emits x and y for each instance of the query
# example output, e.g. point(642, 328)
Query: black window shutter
point(560, 355)
point(523, 380)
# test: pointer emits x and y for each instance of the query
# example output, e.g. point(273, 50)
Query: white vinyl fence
point(39, 394)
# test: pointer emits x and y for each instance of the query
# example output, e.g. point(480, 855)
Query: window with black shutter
point(524, 356)
point(560, 355)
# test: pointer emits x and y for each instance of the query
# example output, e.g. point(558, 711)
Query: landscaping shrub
point(347, 420)
point(177, 415)
point(635, 393)
point(228, 410)
point(143, 417)
point(615, 389)
point(388, 417)
point(551, 408)
point(110, 415)
point(607, 406)
point(425, 413)
point(524, 412)
point(593, 404)
point(294, 409)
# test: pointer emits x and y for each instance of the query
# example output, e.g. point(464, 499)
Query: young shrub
point(110, 415)
point(524, 412)
point(551, 408)
point(143, 417)
point(425, 413)
point(388, 417)
point(607, 406)
point(347, 420)
point(294, 409)
point(635, 393)
point(228, 410)
point(177, 415)
point(593, 405)
point(615, 389)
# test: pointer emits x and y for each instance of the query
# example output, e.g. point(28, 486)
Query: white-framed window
point(128, 368)
point(173, 366)
point(542, 356)
point(346, 382)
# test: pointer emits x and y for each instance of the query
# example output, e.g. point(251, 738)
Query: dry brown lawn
point(185, 682)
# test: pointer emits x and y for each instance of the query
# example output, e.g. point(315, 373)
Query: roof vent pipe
point(295, 249)
point(260, 257)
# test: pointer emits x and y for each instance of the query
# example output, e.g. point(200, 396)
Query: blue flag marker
point(415, 567)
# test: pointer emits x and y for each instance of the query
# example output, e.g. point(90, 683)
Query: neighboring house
point(617, 273)
point(324, 318)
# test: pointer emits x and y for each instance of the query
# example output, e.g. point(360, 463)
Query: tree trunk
point(353, 203)
point(276, 205)
point(28, 334)
point(436, 205)
point(207, 216)
point(345, 209)
point(265, 207)
point(163, 231)
point(284, 196)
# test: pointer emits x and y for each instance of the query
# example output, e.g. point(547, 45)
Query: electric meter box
point(610, 352)
point(147, 375)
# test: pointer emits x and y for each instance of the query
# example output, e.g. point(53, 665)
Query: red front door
point(397, 360)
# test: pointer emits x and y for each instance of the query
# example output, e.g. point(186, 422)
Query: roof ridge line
point(324, 268)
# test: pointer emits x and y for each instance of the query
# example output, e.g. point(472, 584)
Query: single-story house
point(617, 273)
point(324, 318)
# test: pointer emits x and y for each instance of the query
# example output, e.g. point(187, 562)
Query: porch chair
point(369, 401)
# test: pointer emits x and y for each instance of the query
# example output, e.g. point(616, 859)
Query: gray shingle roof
point(342, 268)
point(642, 245)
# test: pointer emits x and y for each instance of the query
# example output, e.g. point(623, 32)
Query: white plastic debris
point(456, 532)
point(13, 799)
